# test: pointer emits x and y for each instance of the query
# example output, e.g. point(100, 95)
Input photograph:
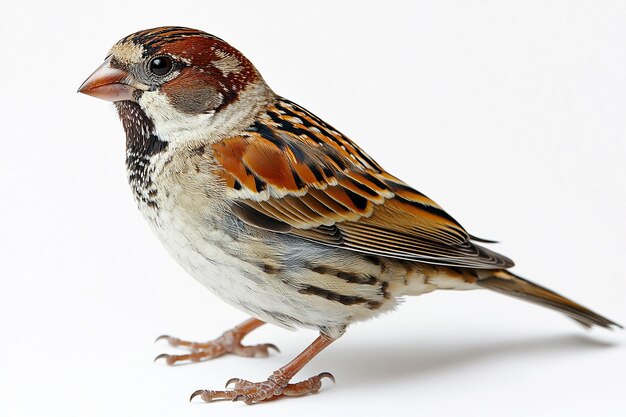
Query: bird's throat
point(142, 147)
point(141, 138)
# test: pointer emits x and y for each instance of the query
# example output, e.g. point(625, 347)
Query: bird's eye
point(161, 65)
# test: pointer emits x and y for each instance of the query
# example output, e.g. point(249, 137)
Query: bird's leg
point(278, 383)
point(229, 342)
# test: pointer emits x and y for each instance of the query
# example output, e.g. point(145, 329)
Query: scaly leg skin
point(229, 342)
point(277, 384)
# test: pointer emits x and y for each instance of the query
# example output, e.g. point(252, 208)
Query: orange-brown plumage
point(308, 176)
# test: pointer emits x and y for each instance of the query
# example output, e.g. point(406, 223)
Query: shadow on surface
point(371, 364)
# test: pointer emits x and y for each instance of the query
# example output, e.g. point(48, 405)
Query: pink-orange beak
point(108, 83)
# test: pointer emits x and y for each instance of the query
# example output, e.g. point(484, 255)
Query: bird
point(277, 212)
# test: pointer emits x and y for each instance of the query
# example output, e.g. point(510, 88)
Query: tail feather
point(505, 282)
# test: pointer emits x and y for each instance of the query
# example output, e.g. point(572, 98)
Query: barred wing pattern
point(293, 173)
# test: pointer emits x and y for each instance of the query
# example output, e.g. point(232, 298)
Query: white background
point(509, 114)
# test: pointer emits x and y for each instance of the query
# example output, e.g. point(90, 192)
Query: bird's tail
point(507, 283)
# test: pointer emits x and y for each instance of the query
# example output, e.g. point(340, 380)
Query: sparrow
point(277, 212)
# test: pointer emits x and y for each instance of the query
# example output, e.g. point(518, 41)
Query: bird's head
point(186, 82)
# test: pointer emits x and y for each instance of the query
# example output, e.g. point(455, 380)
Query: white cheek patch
point(177, 127)
point(170, 124)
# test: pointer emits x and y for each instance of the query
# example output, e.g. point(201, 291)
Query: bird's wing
point(292, 173)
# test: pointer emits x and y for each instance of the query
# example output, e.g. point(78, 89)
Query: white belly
point(206, 255)
point(215, 260)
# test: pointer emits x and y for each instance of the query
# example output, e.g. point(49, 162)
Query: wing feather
point(290, 172)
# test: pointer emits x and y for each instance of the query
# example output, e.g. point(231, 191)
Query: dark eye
point(160, 65)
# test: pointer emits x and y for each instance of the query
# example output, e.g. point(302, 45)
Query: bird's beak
point(108, 83)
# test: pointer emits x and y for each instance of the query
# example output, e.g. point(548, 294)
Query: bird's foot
point(229, 342)
point(254, 392)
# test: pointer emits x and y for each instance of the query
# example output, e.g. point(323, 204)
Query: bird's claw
point(327, 375)
point(172, 341)
point(167, 357)
point(254, 392)
point(229, 342)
